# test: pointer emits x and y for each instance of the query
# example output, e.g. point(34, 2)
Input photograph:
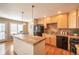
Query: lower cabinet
point(77, 50)
point(51, 40)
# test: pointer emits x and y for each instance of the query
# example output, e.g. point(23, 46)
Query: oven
point(73, 43)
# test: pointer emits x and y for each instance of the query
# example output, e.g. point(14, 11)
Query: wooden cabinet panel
point(53, 40)
point(77, 49)
point(54, 19)
point(48, 20)
point(50, 39)
point(45, 23)
point(25, 28)
point(78, 18)
point(72, 19)
point(40, 21)
point(62, 21)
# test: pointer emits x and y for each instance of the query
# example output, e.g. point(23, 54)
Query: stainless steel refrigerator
point(38, 30)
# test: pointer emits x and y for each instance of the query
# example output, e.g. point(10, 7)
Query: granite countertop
point(29, 38)
point(62, 35)
point(70, 36)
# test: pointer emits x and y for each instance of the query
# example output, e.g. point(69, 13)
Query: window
point(2, 31)
point(13, 28)
point(16, 28)
point(20, 28)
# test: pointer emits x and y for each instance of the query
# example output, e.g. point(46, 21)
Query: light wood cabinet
point(66, 20)
point(54, 19)
point(62, 21)
point(45, 22)
point(40, 21)
point(50, 39)
point(72, 19)
point(53, 40)
point(77, 49)
point(25, 28)
point(48, 19)
point(78, 18)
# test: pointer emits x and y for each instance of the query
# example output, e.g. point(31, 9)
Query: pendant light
point(32, 19)
point(33, 12)
point(23, 18)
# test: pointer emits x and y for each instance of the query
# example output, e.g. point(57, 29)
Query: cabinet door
point(40, 21)
point(50, 39)
point(37, 21)
point(25, 28)
point(48, 19)
point(47, 41)
point(54, 19)
point(62, 21)
point(53, 40)
point(78, 18)
point(45, 23)
point(72, 19)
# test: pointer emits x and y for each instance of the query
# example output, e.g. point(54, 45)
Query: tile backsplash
point(68, 31)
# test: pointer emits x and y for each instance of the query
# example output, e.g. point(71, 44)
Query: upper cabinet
point(72, 19)
point(39, 21)
point(48, 19)
point(66, 20)
point(62, 21)
point(25, 28)
point(54, 19)
point(78, 18)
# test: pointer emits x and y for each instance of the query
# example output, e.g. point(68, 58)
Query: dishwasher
point(62, 42)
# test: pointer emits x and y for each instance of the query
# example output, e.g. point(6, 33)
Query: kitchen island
point(25, 44)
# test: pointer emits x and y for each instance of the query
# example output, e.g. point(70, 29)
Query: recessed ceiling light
point(44, 16)
point(59, 12)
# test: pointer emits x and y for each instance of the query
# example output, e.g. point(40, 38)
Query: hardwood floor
point(51, 50)
point(6, 48)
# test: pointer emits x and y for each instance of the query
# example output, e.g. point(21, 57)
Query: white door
point(2, 32)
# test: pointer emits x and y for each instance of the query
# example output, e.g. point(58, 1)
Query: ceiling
point(13, 10)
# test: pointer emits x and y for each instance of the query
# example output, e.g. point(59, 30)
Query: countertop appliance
point(73, 43)
point(62, 42)
point(38, 30)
